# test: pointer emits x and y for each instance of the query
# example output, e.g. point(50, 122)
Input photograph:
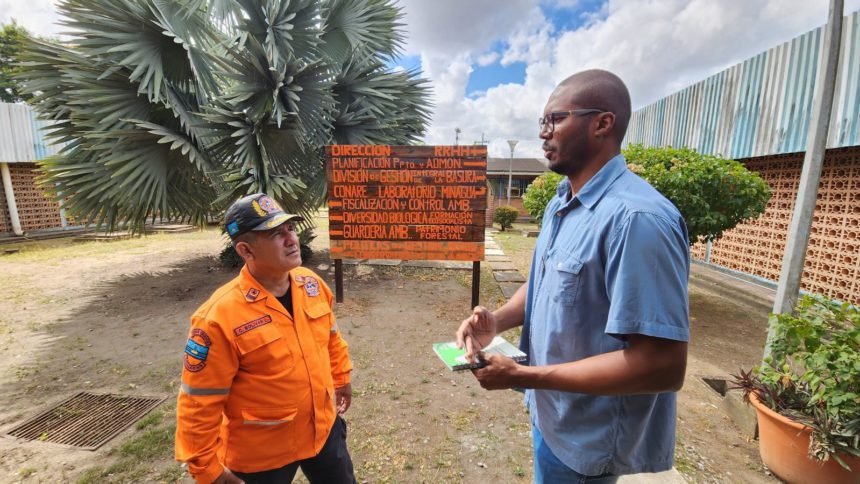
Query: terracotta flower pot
point(784, 447)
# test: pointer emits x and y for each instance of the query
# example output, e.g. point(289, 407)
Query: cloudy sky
point(492, 63)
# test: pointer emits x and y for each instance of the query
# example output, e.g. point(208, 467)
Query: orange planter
point(784, 447)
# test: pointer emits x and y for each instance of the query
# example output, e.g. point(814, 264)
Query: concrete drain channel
point(85, 421)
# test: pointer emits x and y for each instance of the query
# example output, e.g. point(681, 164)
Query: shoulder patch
point(252, 325)
point(312, 287)
point(252, 294)
point(197, 350)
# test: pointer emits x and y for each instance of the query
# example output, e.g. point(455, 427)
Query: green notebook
point(455, 358)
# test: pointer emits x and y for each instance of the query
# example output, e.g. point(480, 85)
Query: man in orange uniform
point(267, 373)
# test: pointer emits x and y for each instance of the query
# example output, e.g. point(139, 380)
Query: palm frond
point(376, 106)
point(170, 108)
point(285, 28)
point(367, 25)
point(138, 35)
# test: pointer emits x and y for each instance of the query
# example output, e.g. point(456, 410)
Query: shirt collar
point(593, 190)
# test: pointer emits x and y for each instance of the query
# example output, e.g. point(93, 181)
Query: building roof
point(520, 166)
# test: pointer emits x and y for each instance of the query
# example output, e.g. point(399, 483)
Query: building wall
point(832, 267)
point(761, 106)
point(35, 210)
point(499, 186)
point(22, 143)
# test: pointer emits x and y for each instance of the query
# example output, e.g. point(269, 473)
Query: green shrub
point(713, 194)
point(505, 216)
point(229, 258)
point(539, 193)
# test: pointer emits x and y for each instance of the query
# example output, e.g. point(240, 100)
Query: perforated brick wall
point(35, 210)
point(832, 266)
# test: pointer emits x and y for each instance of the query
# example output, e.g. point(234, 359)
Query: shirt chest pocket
point(568, 273)
point(319, 319)
point(264, 351)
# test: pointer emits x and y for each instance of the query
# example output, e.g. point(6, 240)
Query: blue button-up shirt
point(610, 261)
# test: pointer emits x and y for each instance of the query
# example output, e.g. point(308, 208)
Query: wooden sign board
point(407, 202)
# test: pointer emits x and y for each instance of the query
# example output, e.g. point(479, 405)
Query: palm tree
point(174, 108)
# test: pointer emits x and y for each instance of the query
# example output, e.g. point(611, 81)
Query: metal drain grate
point(86, 420)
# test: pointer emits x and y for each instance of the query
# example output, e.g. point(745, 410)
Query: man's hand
point(227, 477)
point(500, 373)
point(476, 331)
point(342, 398)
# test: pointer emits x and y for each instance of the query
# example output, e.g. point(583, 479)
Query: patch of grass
point(23, 372)
point(27, 472)
point(517, 247)
point(151, 419)
point(152, 444)
point(120, 370)
point(173, 473)
point(124, 470)
point(490, 294)
point(58, 250)
point(683, 463)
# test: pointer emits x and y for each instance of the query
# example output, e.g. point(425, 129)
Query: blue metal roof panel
point(760, 106)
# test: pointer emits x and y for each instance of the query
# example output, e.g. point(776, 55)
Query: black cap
point(255, 212)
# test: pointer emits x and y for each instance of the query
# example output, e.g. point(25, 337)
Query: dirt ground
point(113, 317)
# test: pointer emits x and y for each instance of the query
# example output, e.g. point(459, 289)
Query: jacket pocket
point(568, 271)
point(264, 351)
point(269, 416)
point(319, 319)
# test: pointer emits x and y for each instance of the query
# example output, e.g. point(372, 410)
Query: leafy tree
point(539, 192)
point(175, 108)
point(713, 194)
point(505, 216)
point(11, 41)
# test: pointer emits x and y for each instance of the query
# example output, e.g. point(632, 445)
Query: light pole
point(513, 144)
point(457, 136)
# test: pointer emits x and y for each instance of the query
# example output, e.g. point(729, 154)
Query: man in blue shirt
point(605, 312)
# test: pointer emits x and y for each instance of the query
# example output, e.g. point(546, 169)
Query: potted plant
point(807, 394)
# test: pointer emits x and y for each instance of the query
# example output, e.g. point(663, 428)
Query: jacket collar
point(253, 291)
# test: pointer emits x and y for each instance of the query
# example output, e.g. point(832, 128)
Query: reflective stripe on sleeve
point(203, 391)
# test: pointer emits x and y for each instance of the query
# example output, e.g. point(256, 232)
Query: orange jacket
point(257, 389)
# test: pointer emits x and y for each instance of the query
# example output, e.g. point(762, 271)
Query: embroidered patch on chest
point(252, 325)
point(197, 350)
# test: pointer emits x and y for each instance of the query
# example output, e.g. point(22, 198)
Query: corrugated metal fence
point(761, 106)
point(21, 135)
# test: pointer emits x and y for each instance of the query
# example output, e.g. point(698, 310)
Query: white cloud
point(531, 41)
point(454, 27)
point(488, 58)
point(657, 47)
point(37, 16)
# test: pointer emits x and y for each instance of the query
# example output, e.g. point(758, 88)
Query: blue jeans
point(550, 470)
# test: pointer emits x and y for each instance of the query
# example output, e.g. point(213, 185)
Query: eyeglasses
point(550, 118)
